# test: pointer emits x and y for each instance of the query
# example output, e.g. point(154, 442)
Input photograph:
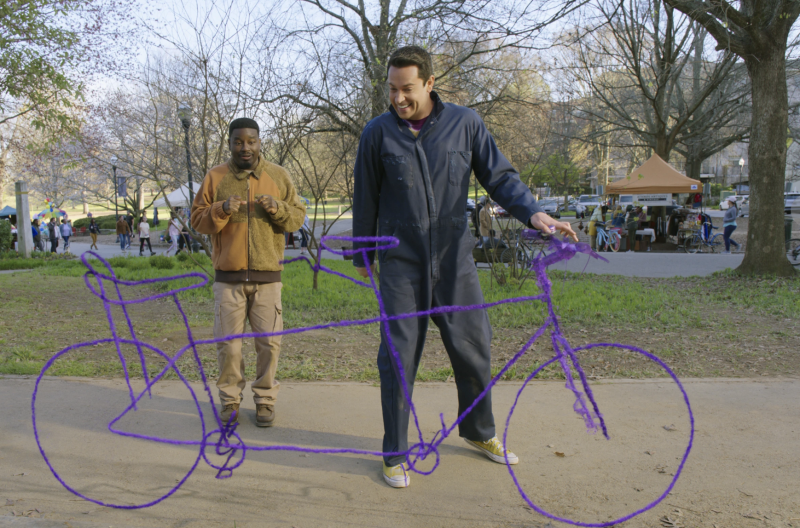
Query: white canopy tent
point(179, 197)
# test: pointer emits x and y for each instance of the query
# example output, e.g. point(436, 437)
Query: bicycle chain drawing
point(227, 443)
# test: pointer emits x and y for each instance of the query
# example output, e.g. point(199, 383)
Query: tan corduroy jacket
point(247, 245)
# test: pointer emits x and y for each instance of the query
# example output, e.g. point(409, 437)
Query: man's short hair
point(412, 56)
point(243, 122)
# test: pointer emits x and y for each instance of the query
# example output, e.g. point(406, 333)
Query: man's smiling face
point(245, 146)
point(410, 96)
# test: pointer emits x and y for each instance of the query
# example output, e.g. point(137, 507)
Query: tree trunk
point(765, 252)
point(693, 167)
point(662, 147)
point(315, 285)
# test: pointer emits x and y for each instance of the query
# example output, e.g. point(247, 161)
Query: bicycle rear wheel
point(78, 484)
point(692, 245)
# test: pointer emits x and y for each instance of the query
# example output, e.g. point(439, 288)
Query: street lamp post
point(114, 171)
point(185, 115)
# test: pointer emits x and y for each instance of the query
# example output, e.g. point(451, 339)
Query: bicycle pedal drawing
point(224, 440)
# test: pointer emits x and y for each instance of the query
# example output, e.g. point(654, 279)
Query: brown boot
point(227, 410)
point(265, 415)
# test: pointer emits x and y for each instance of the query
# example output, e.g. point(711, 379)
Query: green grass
point(54, 297)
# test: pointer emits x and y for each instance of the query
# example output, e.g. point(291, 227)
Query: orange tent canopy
point(654, 176)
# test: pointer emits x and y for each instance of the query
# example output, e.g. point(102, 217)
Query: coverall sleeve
point(366, 194)
point(499, 178)
point(291, 213)
point(208, 217)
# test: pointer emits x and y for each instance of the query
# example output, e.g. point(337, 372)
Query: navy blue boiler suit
point(415, 189)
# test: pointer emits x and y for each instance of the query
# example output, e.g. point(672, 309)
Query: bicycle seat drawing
point(226, 442)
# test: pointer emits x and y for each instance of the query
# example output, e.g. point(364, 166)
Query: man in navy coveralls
point(412, 177)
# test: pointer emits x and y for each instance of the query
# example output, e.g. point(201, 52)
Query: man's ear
point(429, 84)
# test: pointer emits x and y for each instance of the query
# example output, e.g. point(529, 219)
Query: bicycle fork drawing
point(228, 444)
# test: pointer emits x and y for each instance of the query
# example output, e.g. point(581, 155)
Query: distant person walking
point(144, 236)
point(53, 228)
point(124, 233)
point(37, 235)
point(94, 230)
point(131, 232)
point(66, 232)
point(174, 231)
point(729, 225)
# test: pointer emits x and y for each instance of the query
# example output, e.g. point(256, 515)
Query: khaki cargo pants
point(261, 304)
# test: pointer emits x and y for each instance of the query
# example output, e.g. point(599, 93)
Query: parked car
point(791, 203)
point(724, 205)
point(589, 200)
point(551, 206)
point(744, 206)
point(500, 212)
point(470, 209)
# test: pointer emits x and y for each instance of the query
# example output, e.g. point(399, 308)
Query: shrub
point(103, 222)
point(161, 262)
point(5, 235)
point(118, 262)
point(137, 264)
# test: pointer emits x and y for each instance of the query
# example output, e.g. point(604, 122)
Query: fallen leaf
point(670, 428)
point(10, 502)
point(560, 454)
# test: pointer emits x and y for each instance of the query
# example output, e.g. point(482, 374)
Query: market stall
point(652, 185)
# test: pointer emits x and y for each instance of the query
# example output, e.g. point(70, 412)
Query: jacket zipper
point(247, 272)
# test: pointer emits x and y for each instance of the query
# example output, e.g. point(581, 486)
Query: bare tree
point(341, 48)
point(758, 31)
point(323, 161)
point(651, 83)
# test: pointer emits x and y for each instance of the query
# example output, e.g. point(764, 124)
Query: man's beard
point(246, 165)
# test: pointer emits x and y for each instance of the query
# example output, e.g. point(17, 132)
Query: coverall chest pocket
point(459, 166)
point(398, 172)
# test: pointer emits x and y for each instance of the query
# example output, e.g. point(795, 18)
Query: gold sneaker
point(493, 448)
point(396, 476)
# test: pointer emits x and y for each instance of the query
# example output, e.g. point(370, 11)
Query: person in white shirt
point(174, 231)
point(144, 236)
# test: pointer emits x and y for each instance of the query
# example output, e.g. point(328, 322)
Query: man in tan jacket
point(246, 205)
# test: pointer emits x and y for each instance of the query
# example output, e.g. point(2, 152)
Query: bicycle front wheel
point(793, 251)
point(613, 242)
point(716, 243)
point(692, 245)
point(620, 420)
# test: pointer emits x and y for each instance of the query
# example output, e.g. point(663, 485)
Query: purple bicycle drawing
point(226, 443)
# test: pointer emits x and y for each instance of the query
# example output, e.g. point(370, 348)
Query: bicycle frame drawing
point(228, 444)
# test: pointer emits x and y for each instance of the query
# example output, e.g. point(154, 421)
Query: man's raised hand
point(269, 203)
point(543, 222)
point(232, 204)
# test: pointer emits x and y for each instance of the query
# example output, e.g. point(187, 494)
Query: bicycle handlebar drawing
point(227, 443)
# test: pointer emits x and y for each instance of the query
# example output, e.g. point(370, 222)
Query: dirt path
point(742, 472)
